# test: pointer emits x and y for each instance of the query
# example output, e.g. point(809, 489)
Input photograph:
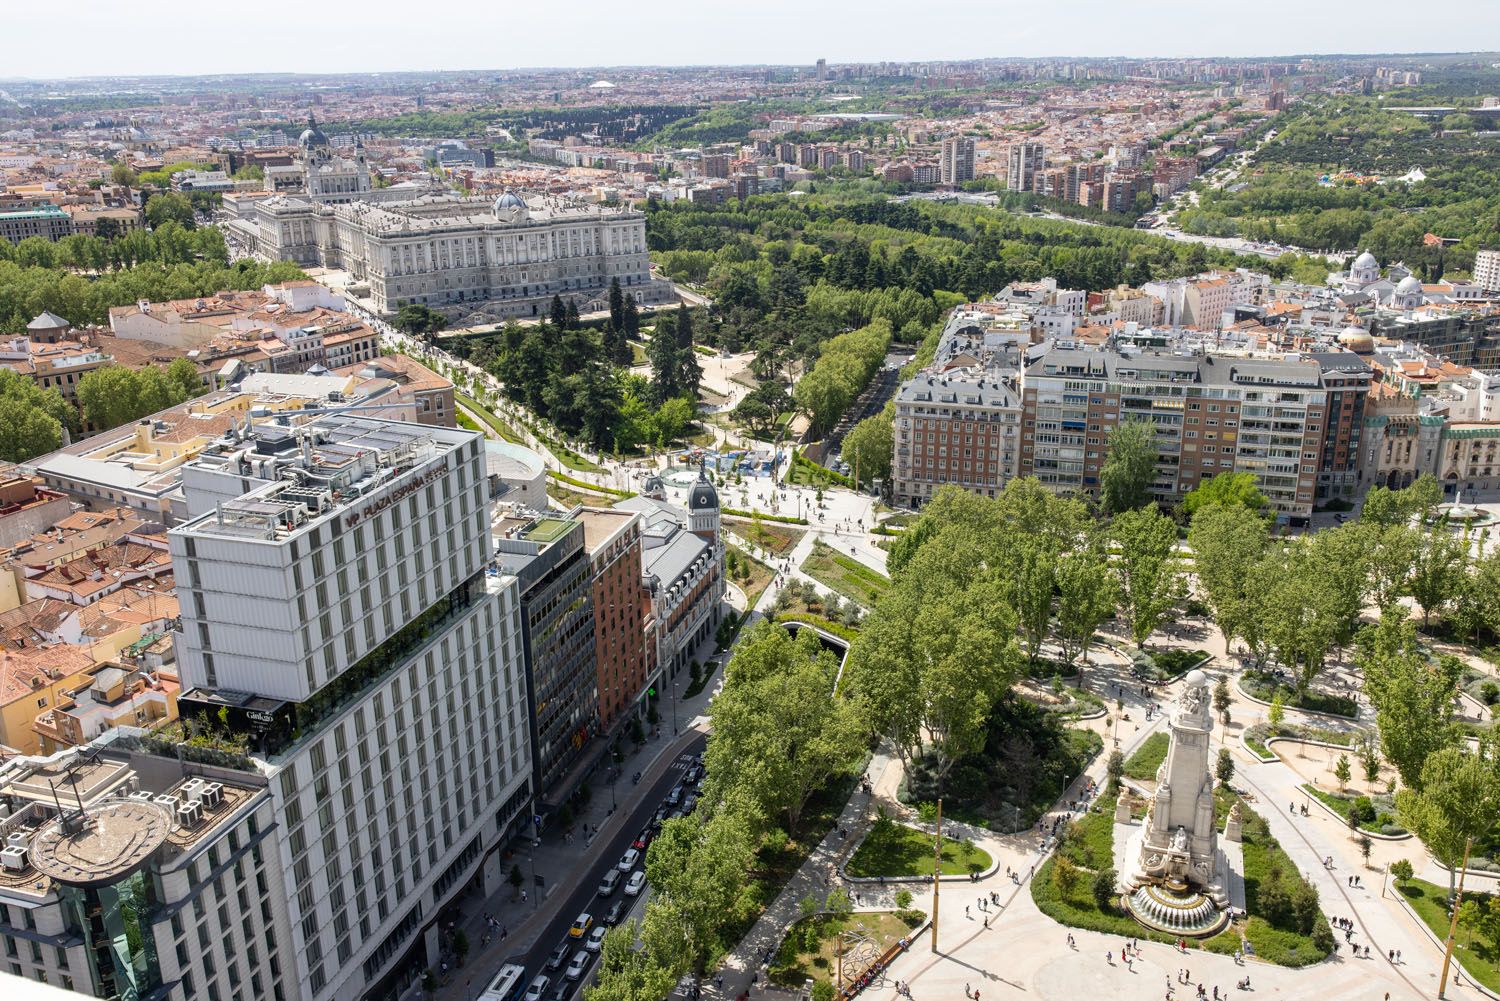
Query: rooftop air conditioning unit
point(143, 796)
point(17, 838)
point(13, 858)
point(170, 802)
point(190, 814)
point(190, 789)
point(212, 794)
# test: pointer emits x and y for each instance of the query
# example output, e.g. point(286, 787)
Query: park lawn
point(846, 575)
point(754, 575)
point(466, 422)
point(1089, 843)
point(1142, 765)
point(497, 425)
point(892, 850)
point(794, 964)
point(1481, 960)
point(779, 539)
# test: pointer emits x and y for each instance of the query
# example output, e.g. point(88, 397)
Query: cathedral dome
point(1410, 285)
point(312, 135)
point(1366, 260)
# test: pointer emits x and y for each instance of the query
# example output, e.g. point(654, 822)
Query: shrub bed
point(1142, 765)
point(1265, 687)
point(895, 851)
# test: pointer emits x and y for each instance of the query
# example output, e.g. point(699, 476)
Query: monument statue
point(1174, 882)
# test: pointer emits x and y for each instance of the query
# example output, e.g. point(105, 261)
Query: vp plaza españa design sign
point(395, 496)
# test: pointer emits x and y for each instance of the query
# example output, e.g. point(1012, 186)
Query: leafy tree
point(759, 409)
point(632, 317)
point(1369, 757)
point(120, 173)
point(626, 974)
point(1456, 801)
point(1392, 559)
point(778, 729)
point(1129, 467)
point(1413, 698)
point(1103, 887)
point(183, 374)
point(1115, 767)
point(1224, 767)
point(558, 313)
point(1276, 712)
point(1227, 541)
point(1086, 598)
point(32, 419)
point(1401, 871)
point(1439, 571)
point(250, 172)
point(1225, 490)
point(115, 395)
point(696, 869)
point(1146, 568)
point(870, 445)
point(170, 206)
point(662, 353)
point(1223, 699)
point(1343, 771)
point(419, 320)
point(1064, 875)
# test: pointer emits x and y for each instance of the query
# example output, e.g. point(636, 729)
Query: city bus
point(509, 984)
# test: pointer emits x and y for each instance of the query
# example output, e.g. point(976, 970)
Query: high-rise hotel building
point(352, 672)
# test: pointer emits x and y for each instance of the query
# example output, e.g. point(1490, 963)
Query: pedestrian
point(966, 912)
point(968, 993)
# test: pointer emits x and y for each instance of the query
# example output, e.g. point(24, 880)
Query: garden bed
point(1168, 664)
point(896, 851)
point(1264, 688)
point(810, 949)
point(845, 575)
point(747, 573)
point(1376, 814)
point(779, 539)
point(1258, 735)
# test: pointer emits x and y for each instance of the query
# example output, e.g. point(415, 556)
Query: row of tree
point(27, 291)
point(845, 366)
point(169, 243)
point(33, 420)
point(779, 736)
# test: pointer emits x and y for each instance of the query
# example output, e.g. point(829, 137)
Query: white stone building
point(472, 258)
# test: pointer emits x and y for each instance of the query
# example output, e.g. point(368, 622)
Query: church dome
point(703, 496)
point(1366, 260)
point(1409, 285)
point(1355, 338)
point(312, 135)
point(510, 207)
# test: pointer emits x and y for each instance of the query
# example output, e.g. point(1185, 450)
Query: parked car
point(537, 988)
point(577, 966)
point(675, 796)
point(629, 860)
point(609, 883)
point(559, 957)
point(636, 883)
point(596, 939)
point(643, 840)
point(581, 925)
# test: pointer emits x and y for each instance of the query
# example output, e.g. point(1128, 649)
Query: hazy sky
point(103, 37)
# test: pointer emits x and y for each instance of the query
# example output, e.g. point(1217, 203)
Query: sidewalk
point(556, 859)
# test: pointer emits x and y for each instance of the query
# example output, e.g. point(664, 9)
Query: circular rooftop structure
point(101, 845)
point(1357, 339)
point(1366, 260)
point(1408, 285)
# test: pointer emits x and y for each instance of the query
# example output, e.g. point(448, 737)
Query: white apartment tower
point(1024, 160)
point(342, 615)
point(1487, 271)
point(957, 160)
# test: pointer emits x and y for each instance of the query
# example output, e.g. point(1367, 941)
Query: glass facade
point(115, 922)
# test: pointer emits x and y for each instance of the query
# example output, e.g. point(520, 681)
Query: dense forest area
point(1293, 192)
point(787, 273)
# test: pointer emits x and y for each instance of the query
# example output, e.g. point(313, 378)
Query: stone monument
point(1175, 884)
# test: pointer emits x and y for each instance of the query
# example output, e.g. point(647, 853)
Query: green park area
point(1478, 942)
point(846, 575)
point(895, 850)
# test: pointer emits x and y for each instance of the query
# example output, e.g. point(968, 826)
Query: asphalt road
point(598, 859)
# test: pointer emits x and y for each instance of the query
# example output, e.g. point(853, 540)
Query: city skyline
point(384, 41)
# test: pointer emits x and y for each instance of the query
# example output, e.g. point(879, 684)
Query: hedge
point(570, 481)
point(752, 515)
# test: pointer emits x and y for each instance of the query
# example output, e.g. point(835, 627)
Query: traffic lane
point(605, 857)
